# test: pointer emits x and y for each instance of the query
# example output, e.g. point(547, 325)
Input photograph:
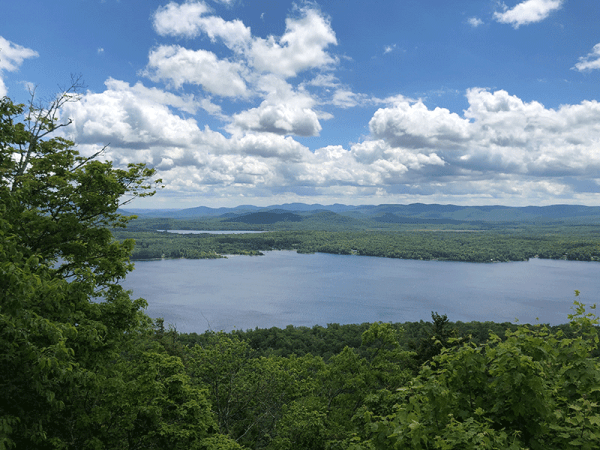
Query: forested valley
point(83, 367)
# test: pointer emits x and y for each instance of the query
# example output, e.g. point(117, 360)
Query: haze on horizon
point(471, 102)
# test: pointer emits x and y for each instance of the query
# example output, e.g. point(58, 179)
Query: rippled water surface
point(283, 288)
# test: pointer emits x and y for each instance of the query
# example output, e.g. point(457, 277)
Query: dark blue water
point(283, 288)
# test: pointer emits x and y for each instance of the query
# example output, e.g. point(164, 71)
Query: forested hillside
point(573, 243)
point(83, 367)
point(427, 232)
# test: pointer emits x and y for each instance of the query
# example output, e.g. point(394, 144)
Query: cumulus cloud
point(527, 12)
point(284, 111)
point(284, 148)
point(499, 135)
point(177, 19)
point(178, 66)
point(192, 19)
point(414, 126)
point(301, 47)
point(234, 33)
point(186, 103)
point(279, 119)
point(133, 118)
point(11, 58)
point(589, 62)
point(257, 67)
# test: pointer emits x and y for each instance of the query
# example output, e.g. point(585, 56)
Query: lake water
point(211, 232)
point(284, 287)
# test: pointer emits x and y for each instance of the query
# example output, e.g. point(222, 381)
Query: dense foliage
point(82, 367)
point(437, 385)
point(78, 366)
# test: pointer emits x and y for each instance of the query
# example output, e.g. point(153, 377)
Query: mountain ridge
point(426, 213)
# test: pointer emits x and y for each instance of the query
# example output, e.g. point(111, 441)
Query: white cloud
point(501, 148)
point(589, 62)
point(279, 119)
point(190, 20)
point(499, 135)
point(284, 111)
point(414, 126)
point(180, 19)
point(178, 66)
point(345, 98)
point(475, 22)
point(13, 55)
point(327, 80)
point(527, 12)
point(300, 48)
point(389, 48)
point(268, 146)
point(186, 103)
point(233, 33)
point(131, 118)
point(11, 58)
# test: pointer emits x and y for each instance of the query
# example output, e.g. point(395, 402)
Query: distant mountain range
point(415, 213)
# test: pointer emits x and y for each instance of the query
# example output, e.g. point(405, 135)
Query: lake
point(211, 231)
point(284, 287)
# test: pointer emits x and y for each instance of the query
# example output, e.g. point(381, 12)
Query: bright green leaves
point(36, 359)
point(535, 389)
point(160, 407)
point(60, 205)
point(301, 426)
point(64, 320)
point(578, 427)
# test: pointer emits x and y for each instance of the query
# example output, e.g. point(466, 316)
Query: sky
point(264, 102)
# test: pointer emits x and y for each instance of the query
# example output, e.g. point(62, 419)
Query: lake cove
point(283, 288)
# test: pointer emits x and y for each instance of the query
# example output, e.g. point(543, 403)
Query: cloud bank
point(501, 146)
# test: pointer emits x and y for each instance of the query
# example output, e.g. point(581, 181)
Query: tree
point(440, 336)
point(61, 205)
point(247, 394)
point(65, 322)
point(537, 389)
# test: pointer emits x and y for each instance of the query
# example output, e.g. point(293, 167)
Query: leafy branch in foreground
point(77, 367)
point(59, 204)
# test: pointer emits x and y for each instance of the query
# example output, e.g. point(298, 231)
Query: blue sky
point(265, 102)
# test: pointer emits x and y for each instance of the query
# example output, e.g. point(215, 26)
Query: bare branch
point(42, 119)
